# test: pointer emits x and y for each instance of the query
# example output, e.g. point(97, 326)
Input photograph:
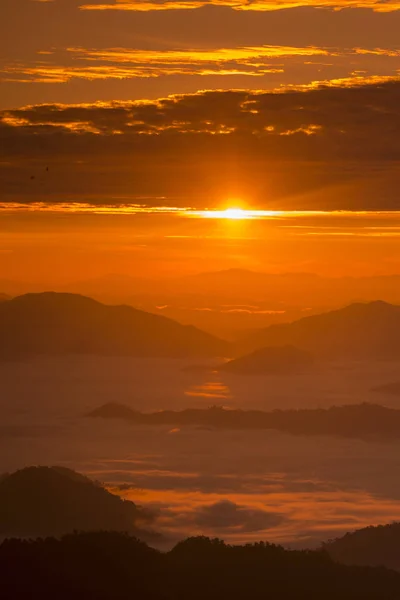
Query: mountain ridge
point(360, 329)
point(42, 501)
point(372, 546)
point(53, 323)
point(358, 421)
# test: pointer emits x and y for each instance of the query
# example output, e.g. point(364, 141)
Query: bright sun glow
point(232, 213)
point(235, 213)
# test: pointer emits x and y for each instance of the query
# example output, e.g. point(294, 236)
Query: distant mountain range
point(56, 324)
point(357, 331)
point(362, 421)
point(229, 302)
point(240, 284)
point(52, 501)
point(59, 324)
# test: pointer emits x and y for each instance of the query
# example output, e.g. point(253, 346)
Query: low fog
point(239, 485)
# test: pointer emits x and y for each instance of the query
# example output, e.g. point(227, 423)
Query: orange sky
point(54, 247)
point(267, 105)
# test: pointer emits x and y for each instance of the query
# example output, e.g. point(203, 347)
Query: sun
point(234, 213)
point(231, 214)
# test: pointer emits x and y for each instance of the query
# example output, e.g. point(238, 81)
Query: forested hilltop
point(105, 566)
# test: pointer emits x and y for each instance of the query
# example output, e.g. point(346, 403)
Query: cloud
point(239, 5)
point(334, 134)
point(252, 61)
point(73, 55)
point(344, 110)
point(124, 63)
point(223, 517)
point(226, 515)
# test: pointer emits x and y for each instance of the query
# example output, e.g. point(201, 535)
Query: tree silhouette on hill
point(43, 501)
point(112, 566)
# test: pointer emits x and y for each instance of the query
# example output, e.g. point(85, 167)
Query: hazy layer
point(238, 485)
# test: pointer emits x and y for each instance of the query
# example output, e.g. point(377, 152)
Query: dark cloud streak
point(210, 140)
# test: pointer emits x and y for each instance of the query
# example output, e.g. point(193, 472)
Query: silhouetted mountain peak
point(113, 410)
point(369, 546)
point(368, 308)
point(43, 474)
point(47, 300)
point(360, 329)
point(270, 360)
point(52, 323)
point(40, 501)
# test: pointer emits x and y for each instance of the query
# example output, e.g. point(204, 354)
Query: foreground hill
point(105, 566)
point(57, 324)
point(370, 546)
point(44, 501)
point(354, 421)
point(359, 330)
point(271, 360)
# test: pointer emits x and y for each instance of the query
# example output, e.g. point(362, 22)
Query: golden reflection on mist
point(210, 389)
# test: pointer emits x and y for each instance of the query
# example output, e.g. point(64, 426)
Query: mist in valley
point(239, 485)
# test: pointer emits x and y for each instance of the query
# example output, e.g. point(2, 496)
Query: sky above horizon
point(121, 123)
